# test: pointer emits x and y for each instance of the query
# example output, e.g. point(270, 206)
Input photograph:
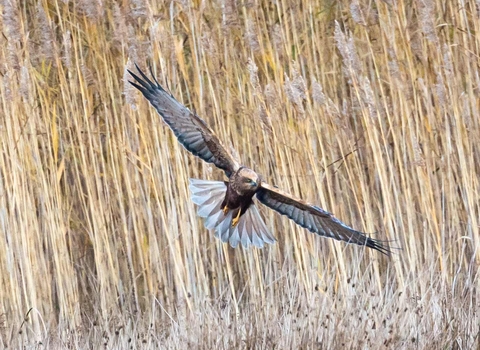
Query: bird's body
point(241, 187)
point(229, 207)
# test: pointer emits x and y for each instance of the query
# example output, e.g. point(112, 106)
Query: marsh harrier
point(228, 207)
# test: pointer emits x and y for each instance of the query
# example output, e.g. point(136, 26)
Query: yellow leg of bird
point(225, 210)
point(235, 220)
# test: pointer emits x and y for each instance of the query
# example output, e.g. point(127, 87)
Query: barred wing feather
point(315, 219)
point(191, 131)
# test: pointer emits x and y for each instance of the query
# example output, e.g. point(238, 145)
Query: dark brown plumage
point(229, 207)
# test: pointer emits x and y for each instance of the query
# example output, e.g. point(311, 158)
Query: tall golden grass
point(368, 108)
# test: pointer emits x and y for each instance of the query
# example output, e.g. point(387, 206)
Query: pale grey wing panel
point(314, 218)
point(250, 229)
point(191, 131)
point(209, 195)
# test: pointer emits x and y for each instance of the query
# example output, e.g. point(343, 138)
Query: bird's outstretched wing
point(192, 132)
point(314, 218)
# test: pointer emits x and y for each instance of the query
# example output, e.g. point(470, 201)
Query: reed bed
point(368, 108)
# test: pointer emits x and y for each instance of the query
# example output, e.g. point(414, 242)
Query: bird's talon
point(234, 222)
point(236, 219)
point(225, 210)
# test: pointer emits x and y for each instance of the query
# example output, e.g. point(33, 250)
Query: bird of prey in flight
point(229, 207)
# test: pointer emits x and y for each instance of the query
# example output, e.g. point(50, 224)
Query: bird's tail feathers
point(250, 229)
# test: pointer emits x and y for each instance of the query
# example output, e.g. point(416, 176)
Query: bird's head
point(247, 180)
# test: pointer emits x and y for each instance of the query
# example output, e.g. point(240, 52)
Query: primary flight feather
point(229, 207)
